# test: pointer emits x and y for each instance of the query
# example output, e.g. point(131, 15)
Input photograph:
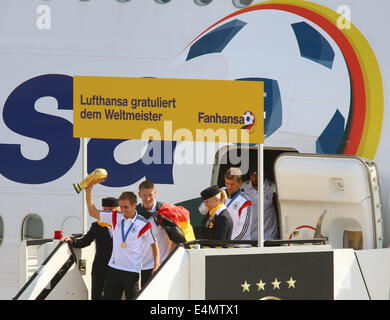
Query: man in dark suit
point(220, 222)
point(101, 233)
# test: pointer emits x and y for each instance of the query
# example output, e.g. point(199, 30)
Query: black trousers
point(145, 276)
point(118, 281)
point(97, 285)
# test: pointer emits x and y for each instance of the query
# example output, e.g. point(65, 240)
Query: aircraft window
point(120, 0)
point(32, 227)
point(202, 2)
point(1, 230)
point(162, 1)
point(242, 3)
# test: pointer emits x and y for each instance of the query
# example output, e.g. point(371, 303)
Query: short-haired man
point(131, 232)
point(238, 204)
point(102, 235)
point(147, 193)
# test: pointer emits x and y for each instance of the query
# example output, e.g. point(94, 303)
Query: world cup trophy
point(97, 176)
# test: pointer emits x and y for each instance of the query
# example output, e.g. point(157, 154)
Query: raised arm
point(93, 212)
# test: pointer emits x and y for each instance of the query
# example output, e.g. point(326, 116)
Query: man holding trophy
point(130, 232)
point(102, 235)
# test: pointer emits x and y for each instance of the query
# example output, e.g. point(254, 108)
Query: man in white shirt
point(131, 232)
point(147, 193)
point(270, 221)
point(238, 204)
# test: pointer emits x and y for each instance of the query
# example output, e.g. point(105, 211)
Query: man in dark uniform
point(221, 223)
point(101, 233)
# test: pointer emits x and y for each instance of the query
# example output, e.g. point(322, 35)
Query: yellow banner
point(168, 109)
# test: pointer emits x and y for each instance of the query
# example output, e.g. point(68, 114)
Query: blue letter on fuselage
point(21, 117)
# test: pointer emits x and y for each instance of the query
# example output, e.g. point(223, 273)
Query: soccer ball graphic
point(249, 120)
point(306, 80)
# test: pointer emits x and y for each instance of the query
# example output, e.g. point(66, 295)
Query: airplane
point(324, 68)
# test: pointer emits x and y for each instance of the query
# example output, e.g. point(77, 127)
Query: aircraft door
point(333, 196)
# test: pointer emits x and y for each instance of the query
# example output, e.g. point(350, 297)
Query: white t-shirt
point(270, 222)
point(240, 208)
point(140, 235)
point(163, 241)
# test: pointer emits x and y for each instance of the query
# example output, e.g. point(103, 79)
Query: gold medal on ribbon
point(124, 236)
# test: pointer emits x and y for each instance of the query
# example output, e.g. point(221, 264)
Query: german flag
point(179, 215)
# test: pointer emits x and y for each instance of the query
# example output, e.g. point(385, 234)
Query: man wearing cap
point(102, 234)
point(220, 223)
point(270, 220)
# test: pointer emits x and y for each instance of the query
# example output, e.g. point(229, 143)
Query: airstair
point(57, 278)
